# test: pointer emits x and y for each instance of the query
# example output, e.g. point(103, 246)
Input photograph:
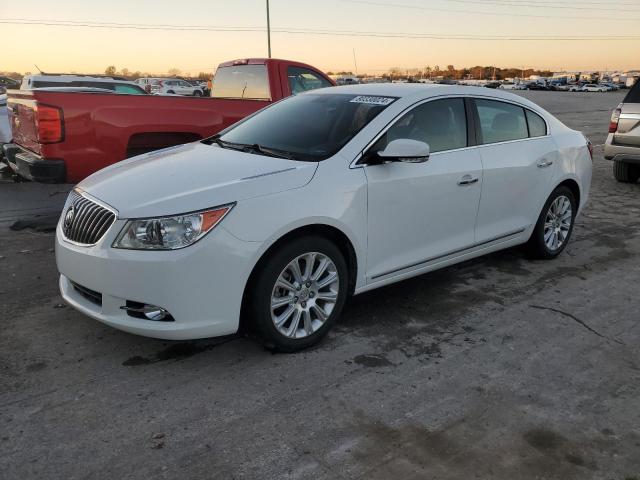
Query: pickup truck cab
point(64, 136)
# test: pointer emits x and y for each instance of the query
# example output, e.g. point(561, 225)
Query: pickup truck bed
point(66, 136)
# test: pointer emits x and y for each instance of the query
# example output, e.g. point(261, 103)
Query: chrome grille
point(84, 221)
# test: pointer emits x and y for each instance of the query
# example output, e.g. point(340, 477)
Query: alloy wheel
point(557, 223)
point(304, 295)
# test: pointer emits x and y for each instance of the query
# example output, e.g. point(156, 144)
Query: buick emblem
point(68, 217)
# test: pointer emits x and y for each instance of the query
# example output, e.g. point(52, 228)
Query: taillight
point(615, 117)
point(49, 124)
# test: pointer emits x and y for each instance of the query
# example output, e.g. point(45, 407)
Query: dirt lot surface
point(500, 367)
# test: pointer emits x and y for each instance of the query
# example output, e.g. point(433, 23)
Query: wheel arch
point(572, 185)
point(330, 232)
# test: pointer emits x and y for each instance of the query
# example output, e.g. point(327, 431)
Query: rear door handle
point(467, 180)
point(544, 163)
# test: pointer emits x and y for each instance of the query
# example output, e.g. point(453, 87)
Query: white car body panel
point(400, 219)
point(195, 175)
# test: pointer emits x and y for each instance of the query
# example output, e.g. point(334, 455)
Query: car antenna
point(38, 68)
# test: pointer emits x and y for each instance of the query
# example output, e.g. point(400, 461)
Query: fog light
point(147, 311)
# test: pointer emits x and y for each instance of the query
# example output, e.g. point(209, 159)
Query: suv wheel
point(626, 172)
point(554, 226)
point(298, 294)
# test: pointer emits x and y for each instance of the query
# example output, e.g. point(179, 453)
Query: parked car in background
point(576, 87)
point(64, 136)
point(537, 86)
point(492, 85)
point(561, 87)
point(147, 83)
point(280, 218)
point(176, 86)
point(592, 87)
point(116, 84)
point(623, 142)
point(611, 87)
point(5, 131)
point(9, 83)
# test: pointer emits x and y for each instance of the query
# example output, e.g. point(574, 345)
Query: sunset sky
point(324, 33)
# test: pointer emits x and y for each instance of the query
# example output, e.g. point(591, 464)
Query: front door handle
point(467, 180)
point(544, 163)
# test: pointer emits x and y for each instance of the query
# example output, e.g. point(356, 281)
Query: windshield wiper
point(245, 147)
point(223, 144)
point(270, 151)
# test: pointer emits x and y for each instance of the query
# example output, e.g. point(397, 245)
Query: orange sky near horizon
point(325, 35)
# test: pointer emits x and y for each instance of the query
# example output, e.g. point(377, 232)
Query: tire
point(304, 329)
point(626, 172)
point(538, 246)
point(171, 92)
point(197, 93)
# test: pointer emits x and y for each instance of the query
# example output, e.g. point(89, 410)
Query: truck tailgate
point(22, 120)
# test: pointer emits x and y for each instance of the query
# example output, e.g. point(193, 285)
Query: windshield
point(309, 127)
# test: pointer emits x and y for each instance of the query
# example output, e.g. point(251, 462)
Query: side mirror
point(405, 150)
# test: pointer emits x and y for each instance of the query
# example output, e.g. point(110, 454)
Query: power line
point(510, 3)
point(498, 14)
point(307, 31)
point(568, 2)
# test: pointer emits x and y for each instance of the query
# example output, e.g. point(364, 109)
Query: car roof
point(418, 91)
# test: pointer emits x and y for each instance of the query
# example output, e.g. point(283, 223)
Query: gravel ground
point(500, 367)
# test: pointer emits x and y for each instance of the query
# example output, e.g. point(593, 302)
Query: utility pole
point(268, 30)
point(355, 64)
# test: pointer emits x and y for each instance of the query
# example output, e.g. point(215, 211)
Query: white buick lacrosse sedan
point(279, 218)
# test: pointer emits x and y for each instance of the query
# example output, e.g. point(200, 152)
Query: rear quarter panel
point(574, 162)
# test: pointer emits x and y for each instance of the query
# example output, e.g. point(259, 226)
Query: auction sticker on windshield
point(373, 100)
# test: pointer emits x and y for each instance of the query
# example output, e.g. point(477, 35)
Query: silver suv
point(623, 143)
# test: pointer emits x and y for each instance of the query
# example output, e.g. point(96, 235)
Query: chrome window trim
point(354, 163)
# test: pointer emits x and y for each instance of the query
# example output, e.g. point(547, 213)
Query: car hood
point(192, 177)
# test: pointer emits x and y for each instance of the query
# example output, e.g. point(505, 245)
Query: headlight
point(169, 233)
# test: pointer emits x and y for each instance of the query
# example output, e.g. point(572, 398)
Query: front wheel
point(197, 93)
point(554, 226)
point(298, 294)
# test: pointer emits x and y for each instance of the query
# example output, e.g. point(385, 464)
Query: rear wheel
point(554, 226)
point(170, 91)
point(298, 294)
point(626, 172)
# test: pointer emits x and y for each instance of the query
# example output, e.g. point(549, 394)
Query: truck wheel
point(626, 172)
point(297, 294)
point(554, 226)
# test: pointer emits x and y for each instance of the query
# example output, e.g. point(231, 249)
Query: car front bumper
point(201, 286)
point(33, 167)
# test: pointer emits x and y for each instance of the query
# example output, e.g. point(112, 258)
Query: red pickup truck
point(64, 136)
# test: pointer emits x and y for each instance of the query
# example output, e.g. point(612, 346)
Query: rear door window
point(241, 81)
point(303, 79)
point(500, 121)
